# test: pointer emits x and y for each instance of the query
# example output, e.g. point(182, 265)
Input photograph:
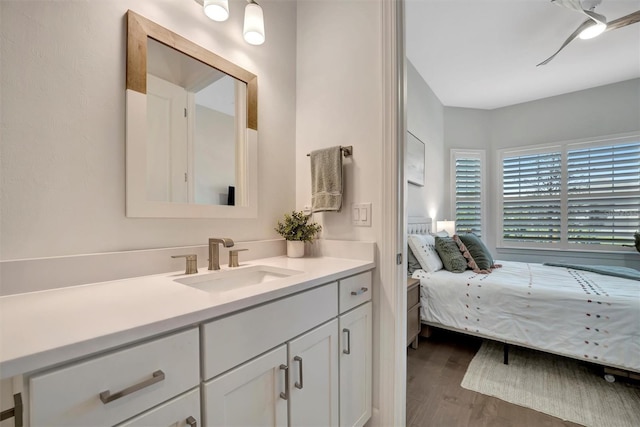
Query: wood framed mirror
point(191, 130)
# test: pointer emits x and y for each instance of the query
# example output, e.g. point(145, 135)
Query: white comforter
point(570, 312)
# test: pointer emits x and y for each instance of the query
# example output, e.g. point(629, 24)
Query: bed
point(570, 312)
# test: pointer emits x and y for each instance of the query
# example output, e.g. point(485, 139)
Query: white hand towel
point(326, 180)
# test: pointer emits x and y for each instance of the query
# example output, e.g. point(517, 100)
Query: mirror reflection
point(196, 116)
point(191, 128)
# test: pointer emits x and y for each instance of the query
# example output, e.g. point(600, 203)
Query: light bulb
point(593, 31)
point(253, 24)
point(218, 10)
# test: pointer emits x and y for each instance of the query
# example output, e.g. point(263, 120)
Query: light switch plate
point(361, 214)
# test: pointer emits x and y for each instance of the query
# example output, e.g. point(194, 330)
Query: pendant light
point(218, 10)
point(253, 23)
point(253, 31)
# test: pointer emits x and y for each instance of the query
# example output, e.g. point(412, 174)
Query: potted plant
point(296, 229)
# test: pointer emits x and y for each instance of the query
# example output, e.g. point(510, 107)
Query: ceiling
point(483, 53)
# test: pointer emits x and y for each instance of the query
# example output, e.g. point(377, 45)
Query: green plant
point(297, 227)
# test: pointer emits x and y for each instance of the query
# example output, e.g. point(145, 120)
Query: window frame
point(563, 147)
point(478, 154)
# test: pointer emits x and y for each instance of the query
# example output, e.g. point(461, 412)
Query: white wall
point(214, 159)
point(600, 111)
point(63, 115)
point(425, 120)
point(339, 96)
point(339, 102)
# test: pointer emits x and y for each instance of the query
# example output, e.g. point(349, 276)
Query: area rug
point(558, 386)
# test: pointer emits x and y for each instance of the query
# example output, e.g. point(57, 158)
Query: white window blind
point(573, 195)
point(531, 197)
point(603, 193)
point(468, 189)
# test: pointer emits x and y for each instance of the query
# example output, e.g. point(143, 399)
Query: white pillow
point(423, 247)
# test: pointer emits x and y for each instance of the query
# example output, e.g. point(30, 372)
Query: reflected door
point(167, 160)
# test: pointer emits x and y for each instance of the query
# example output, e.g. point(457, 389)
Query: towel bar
point(346, 151)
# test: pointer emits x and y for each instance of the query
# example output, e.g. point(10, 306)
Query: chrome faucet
point(214, 253)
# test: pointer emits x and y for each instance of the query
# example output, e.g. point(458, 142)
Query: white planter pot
point(295, 248)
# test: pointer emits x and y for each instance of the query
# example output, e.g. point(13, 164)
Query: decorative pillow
point(412, 262)
point(478, 250)
point(466, 254)
point(441, 233)
point(450, 254)
point(423, 247)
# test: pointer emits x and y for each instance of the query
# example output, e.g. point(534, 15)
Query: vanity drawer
point(109, 389)
point(354, 291)
point(178, 412)
point(232, 340)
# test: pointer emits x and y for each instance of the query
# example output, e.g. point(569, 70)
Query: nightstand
point(413, 312)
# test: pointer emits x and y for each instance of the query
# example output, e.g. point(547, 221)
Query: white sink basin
point(228, 280)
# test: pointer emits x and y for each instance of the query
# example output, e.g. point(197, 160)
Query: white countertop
point(42, 329)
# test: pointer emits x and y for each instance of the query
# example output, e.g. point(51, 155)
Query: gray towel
point(326, 180)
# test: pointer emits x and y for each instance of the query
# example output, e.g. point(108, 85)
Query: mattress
point(570, 312)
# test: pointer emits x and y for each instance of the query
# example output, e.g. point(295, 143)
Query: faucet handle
point(233, 257)
point(192, 262)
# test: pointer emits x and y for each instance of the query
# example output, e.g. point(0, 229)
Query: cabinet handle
point(191, 422)
point(15, 412)
point(285, 395)
point(107, 397)
point(359, 291)
point(348, 349)
point(301, 383)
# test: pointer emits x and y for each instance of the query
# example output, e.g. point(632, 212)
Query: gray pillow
point(450, 254)
point(412, 262)
point(478, 250)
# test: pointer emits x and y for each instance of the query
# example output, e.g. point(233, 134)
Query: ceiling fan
point(594, 25)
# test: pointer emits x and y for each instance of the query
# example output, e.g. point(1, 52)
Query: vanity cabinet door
point(253, 394)
point(313, 377)
point(355, 366)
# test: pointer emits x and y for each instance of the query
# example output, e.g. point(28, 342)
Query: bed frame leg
point(505, 358)
point(425, 331)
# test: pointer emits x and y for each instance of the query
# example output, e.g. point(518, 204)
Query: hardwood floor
point(436, 399)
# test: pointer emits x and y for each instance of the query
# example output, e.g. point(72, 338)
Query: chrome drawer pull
point(107, 397)
point(285, 395)
point(191, 422)
point(301, 383)
point(359, 291)
point(348, 349)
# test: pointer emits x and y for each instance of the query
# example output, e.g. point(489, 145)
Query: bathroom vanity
point(291, 344)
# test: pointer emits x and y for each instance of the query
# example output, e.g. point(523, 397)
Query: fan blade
point(629, 19)
point(577, 6)
point(585, 24)
point(600, 19)
point(569, 4)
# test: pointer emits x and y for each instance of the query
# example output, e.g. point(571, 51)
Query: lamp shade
point(218, 10)
point(253, 24)
point(448, 226)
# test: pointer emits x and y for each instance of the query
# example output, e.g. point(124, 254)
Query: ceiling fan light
point(217, 10)
point(593, 31)
point(253, 24)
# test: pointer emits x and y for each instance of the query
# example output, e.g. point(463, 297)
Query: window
point(467, 170)
point(531, 197)
point(571, 196)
